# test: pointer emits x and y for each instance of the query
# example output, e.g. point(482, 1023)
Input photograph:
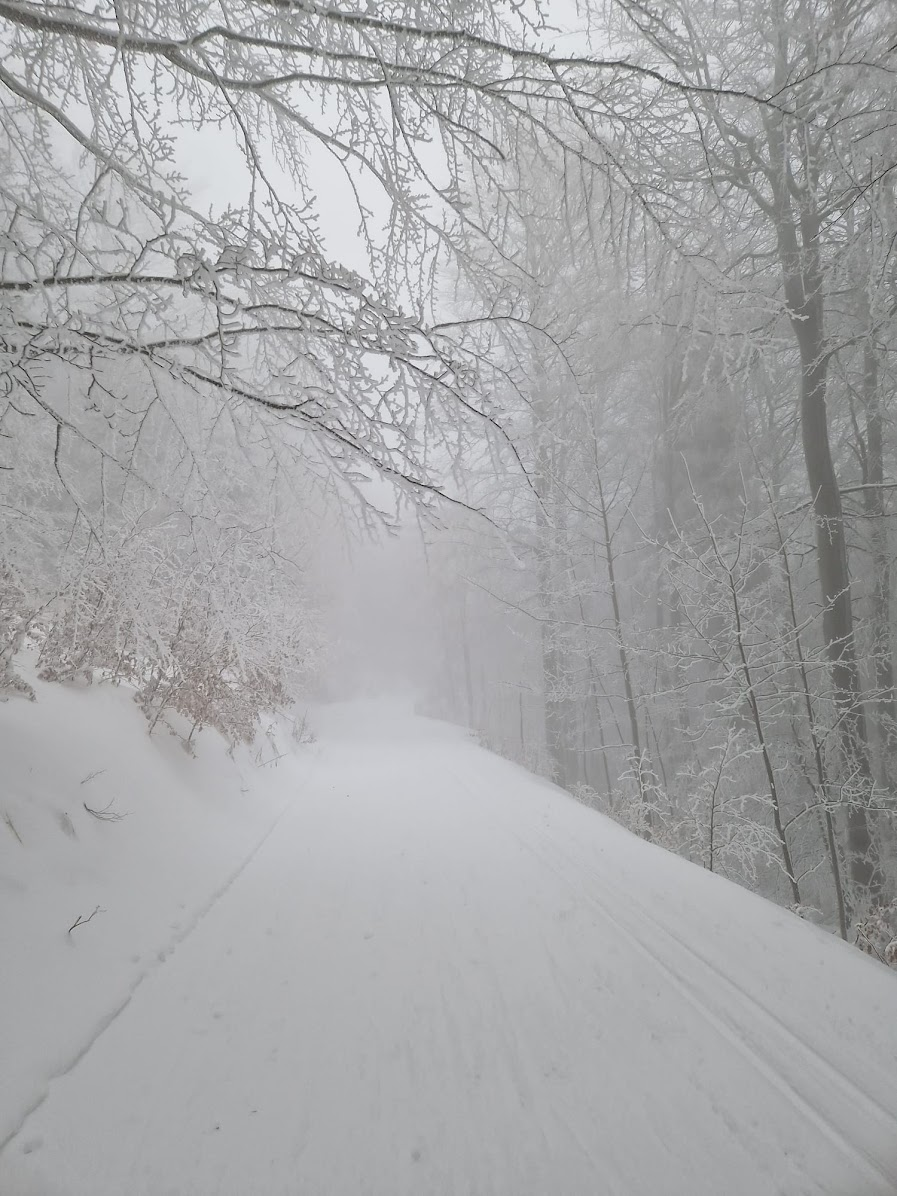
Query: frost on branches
point(124, 301)
point(207, 628)
point(202, 621)
point(177, 377)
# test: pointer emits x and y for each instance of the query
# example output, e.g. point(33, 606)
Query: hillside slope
point(168, 832)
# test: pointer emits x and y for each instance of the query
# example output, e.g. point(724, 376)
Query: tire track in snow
point(567, 866)
point(665, 932)
point(614, 1183)
point(718, 1017)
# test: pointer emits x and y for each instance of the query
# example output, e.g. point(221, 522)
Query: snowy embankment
point(440, 976)
point(169, 832)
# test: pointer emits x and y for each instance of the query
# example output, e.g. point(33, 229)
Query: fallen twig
point(79, 921)
point(273, 760)
point(11, 825)
point(107, 814)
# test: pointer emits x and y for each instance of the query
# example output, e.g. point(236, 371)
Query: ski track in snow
point(438, 976)
point(739, 1017)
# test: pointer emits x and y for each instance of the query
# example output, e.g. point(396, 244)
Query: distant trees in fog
point(705, 632)
point(624, 320)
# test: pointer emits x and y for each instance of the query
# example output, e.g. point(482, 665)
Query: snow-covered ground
point(174, 832)
point(435, 975)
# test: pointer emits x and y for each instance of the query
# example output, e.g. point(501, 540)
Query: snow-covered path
point(441, 976)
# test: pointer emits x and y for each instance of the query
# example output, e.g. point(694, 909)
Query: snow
point(187, 826)
point(436, 974)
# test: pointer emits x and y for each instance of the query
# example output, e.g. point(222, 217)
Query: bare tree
point(777, 180)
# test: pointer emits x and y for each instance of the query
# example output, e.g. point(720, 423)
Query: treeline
point(687, 618)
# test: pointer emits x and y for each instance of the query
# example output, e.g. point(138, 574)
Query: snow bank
point(173, 832)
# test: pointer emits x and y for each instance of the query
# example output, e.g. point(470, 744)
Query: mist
point(447, 473)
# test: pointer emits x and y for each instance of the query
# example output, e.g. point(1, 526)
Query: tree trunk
point(639, 758)
point(798, 228)
point(885, 706)
point(834, 579)
point(544, 484)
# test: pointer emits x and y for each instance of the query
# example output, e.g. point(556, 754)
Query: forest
point(586, 310)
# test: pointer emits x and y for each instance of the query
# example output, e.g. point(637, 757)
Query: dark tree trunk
point(798, 229)
point(639, 757)
point(834, 579)
point(885, 707)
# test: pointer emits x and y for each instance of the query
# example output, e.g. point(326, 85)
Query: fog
point(381, 621)
point(538, 368)
point(448, 458)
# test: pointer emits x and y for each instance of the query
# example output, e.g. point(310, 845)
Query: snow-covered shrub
point(15, 619)
point(715, 816)
point(163, 559)
point(210, 625)
point(876, 935)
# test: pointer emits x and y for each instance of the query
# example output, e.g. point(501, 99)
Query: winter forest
point(532, 363)
point(587, 314)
